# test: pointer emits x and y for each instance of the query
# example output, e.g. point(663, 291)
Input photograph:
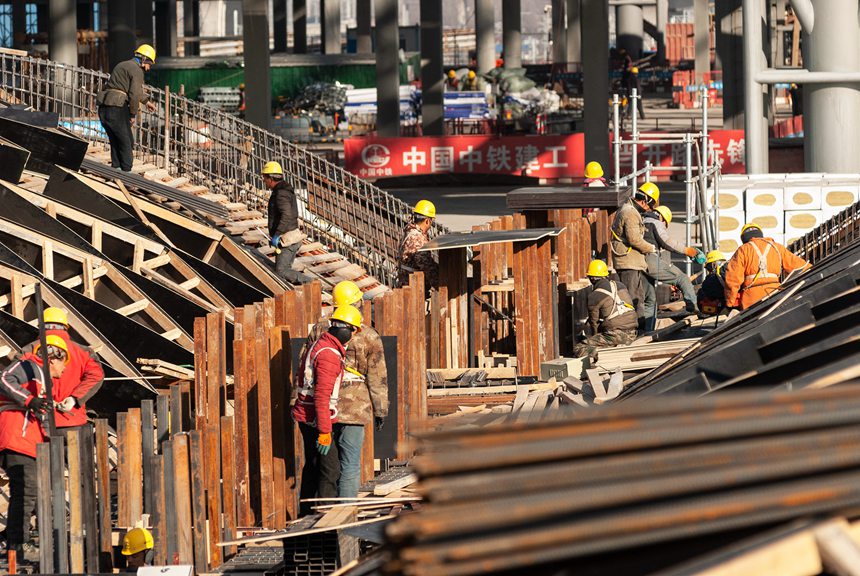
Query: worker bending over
point(22, 406)
point(319, 380)
point(757, 268)
point(363, 391)
point(119, 102)
point(138, 549)
point(712, 295)
point(284, 233)
point(612, 319)
point(661, 269)
point(415, 236)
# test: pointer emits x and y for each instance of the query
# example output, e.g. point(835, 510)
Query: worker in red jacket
point(81, 379)
point(320, 374)
point(22, 405)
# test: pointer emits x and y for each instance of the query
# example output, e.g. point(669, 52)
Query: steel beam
point(595, 69)
point(166, 34)
point(729, 40)
point(300, 26)
point(559, 33)
point(661, 19)
point(702, 37)
point(191, 27)
point(63, 31)
point(574, 31)
point(121, 38)
point(279, 25)
point(255, 36)
point(512, 36)
point(364, 42)
point(19, 23)
point(387, 69)
point(432, 74)
point(629, 29)
point(485, 35)
point(755, 127)
point(330, 26)
point(143, 19)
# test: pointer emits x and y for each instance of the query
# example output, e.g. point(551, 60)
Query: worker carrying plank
point(319, 379)
point(119, 102)
point(22, 406)
point(284, 233)
point(363, 391)
point(757, 268)
point(711, 298)
point(81, 379)
point(612, 319)
point(415, 236)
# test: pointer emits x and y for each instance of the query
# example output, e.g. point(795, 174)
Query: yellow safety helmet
point(714, 256)
point(635, 70)
point(55, 316)
point(272, 168)
point(425, 208)
point(598, 269)
point(348, 314)
point(471, 74)
point(451, 74)
point(749, 226)
point(665, 213)
point(56, 342)
point(146, 51)
point(650, 190)
point(137, 540)
point(346, 292)
point(593, 170)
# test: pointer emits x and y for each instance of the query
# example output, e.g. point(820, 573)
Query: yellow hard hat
point(425, 208)
point(346, 292)
point(749, 226)
point(348, 314)
point(55, 316)
point(137, 540)
point(272, 168)
point(593, 170)
point(56, 342)
point(471, 74)
point(598, 269)
point(451, 74)
point(146, 51)
point(650, 190)
point(635, 70)
point(714, 256)
point(665, 213)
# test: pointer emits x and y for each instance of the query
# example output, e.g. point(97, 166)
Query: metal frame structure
point(226, 154)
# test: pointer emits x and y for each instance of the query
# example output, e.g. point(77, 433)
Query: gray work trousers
point(660, 270)
point(284, 265)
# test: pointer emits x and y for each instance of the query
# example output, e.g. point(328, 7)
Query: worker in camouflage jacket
point(363, 391)
point(628, 243)
point(612, 319)
point(415, 236)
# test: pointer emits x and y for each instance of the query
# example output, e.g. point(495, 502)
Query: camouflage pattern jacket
point(411, 260)
point(361, 398)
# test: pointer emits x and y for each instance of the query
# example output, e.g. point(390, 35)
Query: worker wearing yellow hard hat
point(711, 298)
point(594, 175)
point(415, 236)
point(283, 212)
point(612, 318)
point(138, 548)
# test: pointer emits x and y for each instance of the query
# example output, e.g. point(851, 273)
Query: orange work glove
point(690, 252)
point(324, 443)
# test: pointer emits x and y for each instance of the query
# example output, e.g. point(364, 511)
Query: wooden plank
point(148, 442)
point(182, 503)
point(44, 512)
point(76, 512)
point(158, 514)
point(388, 487)
point(264, 400)
point(198, 496)
point(228, 485)
point(162, 409)
point(840, 554)
point(279, 354)
point(175, 410)
point(794, 555)
point(171, 531)
point(244, 515)
point(88, 498)
point(134, 463)
point(123, 516)
point(498, 373)
point(212, 464)
point(201, 383)
point(104, 495)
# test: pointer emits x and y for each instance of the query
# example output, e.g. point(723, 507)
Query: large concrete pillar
point(300, 26)
point(166, 34)
point(364, 42)
point(629, 29)
point(755, 125)
point(279, 25)
point(831, 112)
point(730, 59)
point(512, 36)
point(702, 34)
point(63, 31)
point(661, 20)
point(191, 26)
point(19, 23)
point(387, 69)
point(559, 33)
point(330, 26)
point(574, 31)
point(595, 71)
point(121, 26)
point(485, 35)
point(255, 40)
point(143, 19)
point(432, 74)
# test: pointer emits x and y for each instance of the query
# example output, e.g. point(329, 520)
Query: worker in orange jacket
point(757, 268)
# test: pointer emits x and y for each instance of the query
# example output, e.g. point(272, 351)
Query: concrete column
point(364, 42)
point(595, 70)
point(485, 35)
point(661, 19)
point(574, 32)
point(330, 13)
point(831, 112)
point(143, 19)
point(512, 36)
point(258, 85)
point(432, 74)
point(629, 29)
point(729, 37)
point(166, 33)
point(755, 127)
point(19, 22)
point(300, 26)
point(121, 39)
point(63, 31)
point(702, 35)
point(279, 25)
point(387, 68)
point(191, 27)
point(559, 33)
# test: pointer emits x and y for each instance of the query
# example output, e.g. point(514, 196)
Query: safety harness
point(621, 307)
point(308, 382)
point(762, 272)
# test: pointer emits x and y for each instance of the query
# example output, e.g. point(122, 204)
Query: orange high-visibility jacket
point(754, 271)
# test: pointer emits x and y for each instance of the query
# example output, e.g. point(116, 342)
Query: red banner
point(536, 156)
point(727, 146)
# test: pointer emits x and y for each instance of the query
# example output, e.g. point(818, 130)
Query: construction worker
point(81, 379)
point(363, 392)
point(138, 549)
point(119, 102)
point(22, 406)
point(711, 297)
point(471, 82)
point(414, 237)
point(612, 319)
point(757, 268)
point(319, 379)
point(284, 233)
point(451, 82)
point(594, 176)
point(628, 244)
point(661, 269)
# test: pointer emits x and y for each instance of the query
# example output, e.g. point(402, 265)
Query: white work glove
point(66, 405)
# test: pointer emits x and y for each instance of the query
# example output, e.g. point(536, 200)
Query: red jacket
point(82, 378)
point(20, 430)
point(319, 377)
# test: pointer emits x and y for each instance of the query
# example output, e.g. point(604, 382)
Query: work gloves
point(379, 423)
point(66, 405)
point(37, 405)
point(324, 443)
point(276, 240)
point(700, 257)
point(690, 252)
